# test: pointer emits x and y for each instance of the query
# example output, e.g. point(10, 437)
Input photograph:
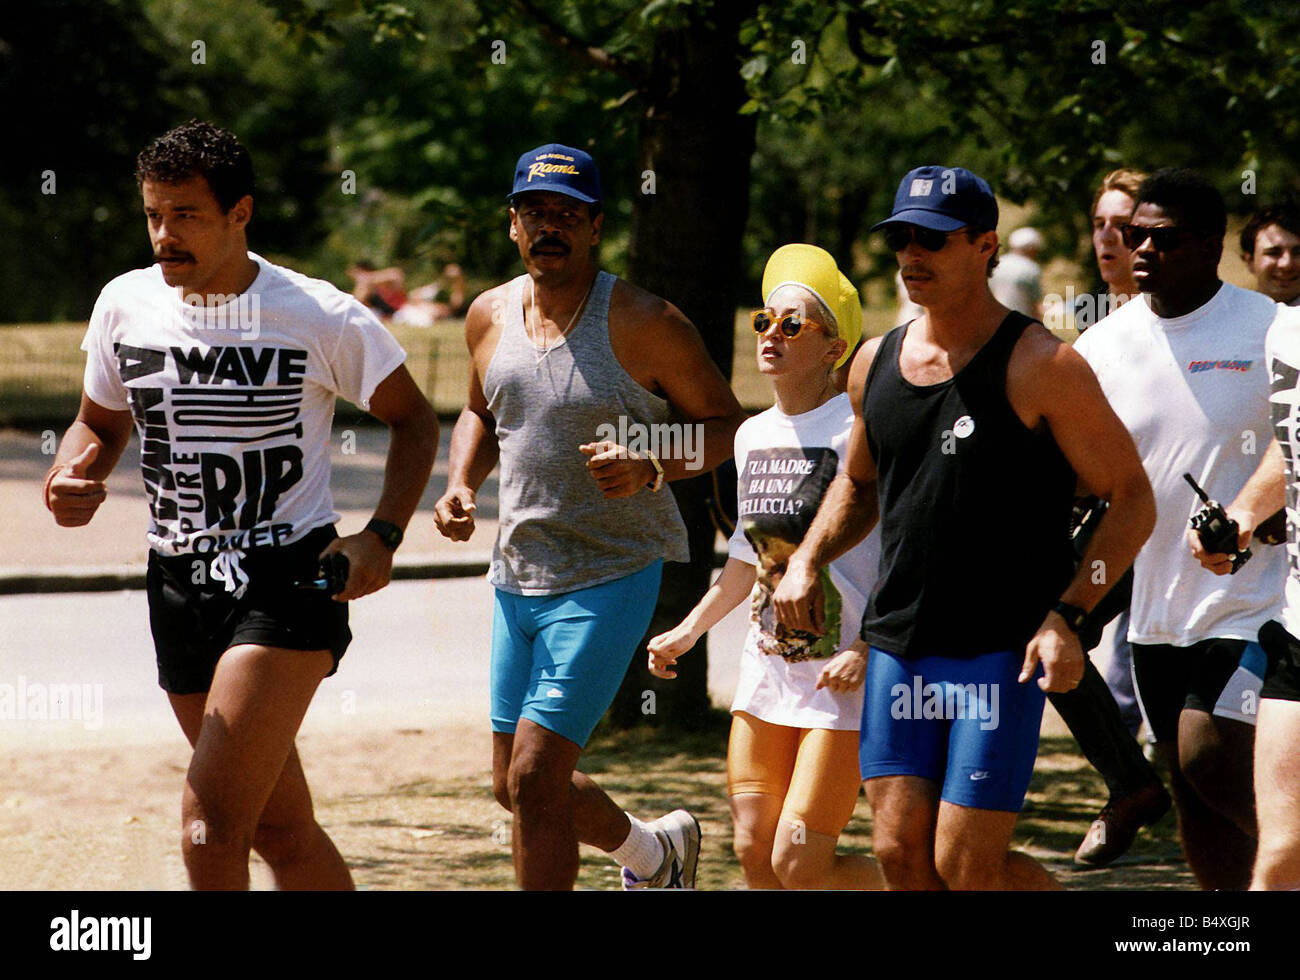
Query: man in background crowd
point(1270, 247)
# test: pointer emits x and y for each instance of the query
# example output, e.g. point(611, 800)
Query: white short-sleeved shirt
point(1193, 391)
point(1017, 283)
point(784, 465)
point(233, 403)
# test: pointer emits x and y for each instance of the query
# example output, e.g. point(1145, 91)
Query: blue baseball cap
point(945, 199)
point(558, 168)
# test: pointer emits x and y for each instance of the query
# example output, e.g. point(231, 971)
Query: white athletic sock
point(641, 852)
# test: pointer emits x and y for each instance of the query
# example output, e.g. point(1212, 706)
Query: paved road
point(419, 657)
point(29, 538)
point(420, 653)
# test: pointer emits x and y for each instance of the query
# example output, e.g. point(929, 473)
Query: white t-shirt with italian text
point(784, 466)
point(233, 403)
point(1193, 391)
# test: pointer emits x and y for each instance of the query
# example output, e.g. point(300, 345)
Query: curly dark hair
point(199, 149)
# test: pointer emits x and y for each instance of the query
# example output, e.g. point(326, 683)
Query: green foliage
point(80, 82)
point(412, 97)
point(1041, 96)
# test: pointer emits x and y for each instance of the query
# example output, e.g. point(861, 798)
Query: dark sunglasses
point(898, 237)
point(1164, 239)
point(789, 325)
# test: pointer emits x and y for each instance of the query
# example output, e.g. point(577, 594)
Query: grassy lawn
point(41, 366)
point(450, 833)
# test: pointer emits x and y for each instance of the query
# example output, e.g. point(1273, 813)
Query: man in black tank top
point(972, 423)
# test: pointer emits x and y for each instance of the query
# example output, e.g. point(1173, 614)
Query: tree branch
point(857, 24)
point(579, 47)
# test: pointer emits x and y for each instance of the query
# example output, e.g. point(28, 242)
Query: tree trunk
point(685, 247)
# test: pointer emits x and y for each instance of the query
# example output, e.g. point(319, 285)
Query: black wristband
point(390, 534)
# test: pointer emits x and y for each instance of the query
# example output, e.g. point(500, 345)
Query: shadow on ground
point(452, 834)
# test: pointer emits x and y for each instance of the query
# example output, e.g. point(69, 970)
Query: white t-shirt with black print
point(784, 465)
point(233, 403)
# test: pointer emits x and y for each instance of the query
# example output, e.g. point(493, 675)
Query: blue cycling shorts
point(965, 723)
point(558, 660)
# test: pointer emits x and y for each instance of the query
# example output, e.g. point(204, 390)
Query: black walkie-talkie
point(1218, 532)
point(333, 573)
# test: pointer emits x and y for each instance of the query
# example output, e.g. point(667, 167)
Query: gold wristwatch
point(657, 483)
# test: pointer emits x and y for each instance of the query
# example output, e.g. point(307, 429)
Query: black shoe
point(1112, 833)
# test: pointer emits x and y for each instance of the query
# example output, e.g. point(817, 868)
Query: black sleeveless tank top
point(975, 508)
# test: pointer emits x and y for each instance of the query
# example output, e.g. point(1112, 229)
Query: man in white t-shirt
point(1184, 368)
point(228, 368)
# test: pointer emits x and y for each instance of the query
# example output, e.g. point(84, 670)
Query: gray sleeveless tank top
point(557, 532)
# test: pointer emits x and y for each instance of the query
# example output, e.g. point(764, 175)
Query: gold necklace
point(535, 330)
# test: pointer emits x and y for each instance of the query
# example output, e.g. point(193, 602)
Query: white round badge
point(963, 427)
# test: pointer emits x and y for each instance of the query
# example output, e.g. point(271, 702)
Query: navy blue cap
point(945, 199)
point(558, 168)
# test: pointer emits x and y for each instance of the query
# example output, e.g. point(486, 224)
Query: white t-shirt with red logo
point(1193, 392)
point(233, 403)
point(784, 465)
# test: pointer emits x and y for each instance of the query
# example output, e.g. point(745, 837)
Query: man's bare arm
point(1263, 496)
point(1264, 493)
point(412, 448)
point(847, 514)
point(412, 445)
point(1052, 381)
point(681, 367)
point(661, 349)
point(1060, 385)
point(474, 448)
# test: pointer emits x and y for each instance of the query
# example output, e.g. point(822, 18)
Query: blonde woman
point(792, 761)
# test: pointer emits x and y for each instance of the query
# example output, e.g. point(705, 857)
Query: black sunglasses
point(898, 237)
point(1165, 238)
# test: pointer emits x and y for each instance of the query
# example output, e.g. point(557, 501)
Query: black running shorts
point(195, 620)
point(1282, 681)
point(1171, 678)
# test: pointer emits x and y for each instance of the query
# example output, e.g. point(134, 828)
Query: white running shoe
point(679, 833)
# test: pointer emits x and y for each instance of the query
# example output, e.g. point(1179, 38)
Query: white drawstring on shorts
point(225, 568)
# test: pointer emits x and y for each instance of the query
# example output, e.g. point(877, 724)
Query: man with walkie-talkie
point(1184, 369)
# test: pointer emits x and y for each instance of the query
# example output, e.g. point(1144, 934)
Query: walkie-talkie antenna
point(1199, 492)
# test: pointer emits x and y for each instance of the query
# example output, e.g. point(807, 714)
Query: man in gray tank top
point(592, 394)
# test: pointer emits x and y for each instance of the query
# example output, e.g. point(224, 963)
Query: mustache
point(548, 242)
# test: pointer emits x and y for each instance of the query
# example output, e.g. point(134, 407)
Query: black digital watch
point(387, 532)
